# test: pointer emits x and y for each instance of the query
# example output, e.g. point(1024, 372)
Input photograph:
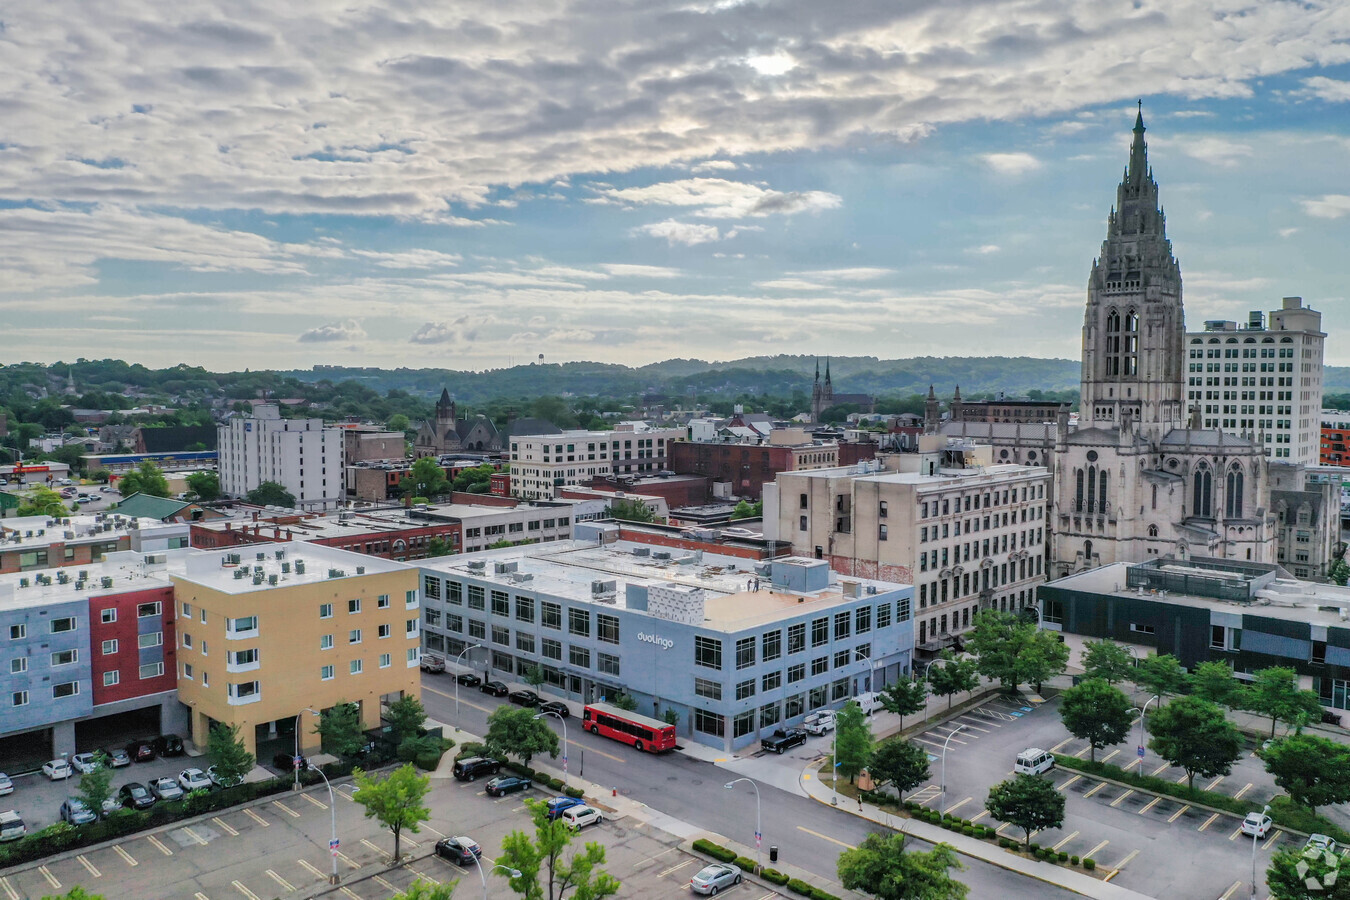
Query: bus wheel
point(637, 745)
point(595, 729)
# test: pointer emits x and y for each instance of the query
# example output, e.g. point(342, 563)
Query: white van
point(11, 826)
point(870, 702)
point(1034, 761)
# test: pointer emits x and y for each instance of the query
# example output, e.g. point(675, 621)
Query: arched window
point(1202, 494)
point(1153, 531)
point(1130, 363)
point(1101, 493)
point(1233, 493)
point(1155, 496)
point(1087, 553)
point(1091, 486)
point(1078, 495)
point(1113, 343)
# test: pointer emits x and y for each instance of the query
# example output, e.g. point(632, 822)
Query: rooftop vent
point(23, 582)
point(504, 568)
point(62, 577)
point(281, 554)
point(286, 567)
point(336, 573)
point(272, 579)
point(642, 551)
point(240, 574)
point(477, 565)
point(360, 570)
point(262, 556)
point(661, 554)
point(257, 578)
point(105, 581)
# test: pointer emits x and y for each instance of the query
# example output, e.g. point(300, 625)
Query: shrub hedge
point(716, 851)
point(773, 876)
point(1089, 864)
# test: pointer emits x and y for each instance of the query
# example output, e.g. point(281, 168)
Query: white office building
point(302, 455)
point(543, 463)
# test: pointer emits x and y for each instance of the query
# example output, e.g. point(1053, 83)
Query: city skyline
point(469, 188)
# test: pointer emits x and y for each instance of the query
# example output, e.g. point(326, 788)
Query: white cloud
point(687, 233)
point(444, 332)
point(1328, 206)
point(718, 198)
point(857, 273)
point(714, 165)
point(1214, 150)
point(626, 270)
point(1328, 89)
point(348, 330)
point(984, 249)
point(1011, 163)
point(410, 259)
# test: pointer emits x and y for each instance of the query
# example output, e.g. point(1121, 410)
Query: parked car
point(166, 789)
point(471, 767)
point(432, 663)
point(461, 851)
point(713, 878)
point(1034, 761)
point(74, 811)
point(117, 758)
point(194, 780)
point(507, 784)
point(468, 679)
point(11, 826)
point(821, 722)
point(556, 806)
point(783, 739)
point(57, 770)
point(84, 763)
point(6, 786)
point(134, 795)
point(1256, 825)
point(555, 706)
point(523, 698)
point(220, 780)
point(1321, 842)
point(578, 817)
point(285, 762)
point(169, 745)
point(141, 751)
point(495, 688)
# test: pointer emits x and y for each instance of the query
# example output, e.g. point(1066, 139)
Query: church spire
point(827, 370)
point(1138, 172)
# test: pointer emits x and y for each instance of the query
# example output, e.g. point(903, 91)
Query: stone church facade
point(445, 432)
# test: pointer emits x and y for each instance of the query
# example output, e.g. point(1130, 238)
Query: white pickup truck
point(821, 722)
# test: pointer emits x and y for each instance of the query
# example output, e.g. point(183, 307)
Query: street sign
point(296, 761)
point(1140, 751)
point(757, 840)
point(333, 844)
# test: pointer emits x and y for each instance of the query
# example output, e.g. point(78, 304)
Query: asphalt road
point(807, 833)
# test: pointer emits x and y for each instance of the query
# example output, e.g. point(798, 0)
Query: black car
point(141, 751)
point(555, 706)
point(468, 679)
point(523, 698)
point(135, 795)
point(471, 767)
point(462, 851)
point(169, 745)
point(285, 762)
point(507, 784)
point(495, 688)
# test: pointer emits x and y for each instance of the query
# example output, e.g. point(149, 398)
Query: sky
point(476, 185)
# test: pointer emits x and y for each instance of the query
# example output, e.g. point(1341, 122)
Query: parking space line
point(432, 830)
point(371, 846)
point(1069, 781)
point(245, 891)
point(1177, 815)
point(305, 864)
point(286, 885)
point(348, 860)
point(347, 892)
point(1107, 757)
point(675, 868)
point(1213, 784)
point(316, 801)
point(1120, 865)
point(424, 875)
point(1275, 837)
point(644, 863)
point(286, 809)
point(945, 737)
point(255, 817)
point(1161, 768)
point(1081, 753)
point(1066, 840)
point(51, 879)
point(384, 883)
point(1236, 833)
point(1100, 785)
point(89, 867)
point(929, 743)
point(225, 827)
point(410, 842)
point(162, 849)
point(1152, 803)
point(826, 837)
point(200, 896)
point(1060, 745)
point(999, 830)
point(979, 727)
point(1183, 779)
point(979, 815)
point(195, 836)
point(130, 860)
point(1116, 802)
point(1132, 763)
point(1231, 890)
point(1208, 822)
point(1095, 850)
point(9, 889)
point(955, 806)
point(1245, 789)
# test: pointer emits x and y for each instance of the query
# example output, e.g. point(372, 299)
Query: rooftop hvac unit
point(257, 578)
point(504, 568)
point(521, 577)
point(477, 565)
point(262, 556)
point(84, 574)
point(286, 567)
point(336, 573)
point(281, 554)
point(642, 551)
point(360, 570)
point(871, 589)
point(272, 580)
point(299, 567)
point(661, 554)
point(240, 574)
point(62, 577)
point(69, 535)
point(23, 582)
point(257, 570)
point(603, 587)
point(105, 581)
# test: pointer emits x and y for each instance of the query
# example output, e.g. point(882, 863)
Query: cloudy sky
point(474, 184)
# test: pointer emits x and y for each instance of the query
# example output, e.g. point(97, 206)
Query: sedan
point(462, 851)
point(134, 795)
point(74, 811)
point(117, 758)
point(523, 698)
point(506, 784)
point(222, 781)
point(57, 770)
point(468, 679)
point(1256, 825)
point(555, 706)
point(495, 688)
point(194, 780)
point(578, 817)
point(6, 786)
point(711, 879)
point(141, 751)
point(84, 763)
point(166, 789)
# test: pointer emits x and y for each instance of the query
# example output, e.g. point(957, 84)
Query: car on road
point(6, 786)
point(713, 878)
point(166, 789)
point(1256, 825)
point(432, 663)
point(462, 851)
point(557, 805)
point(134, 795)
point(468, 679)
point(220, 780)
point(117, 758)
point(555, 706)
point(57, 770)
point(194, 780)
point(141, 751)
point(818, 723)
point(471, 767)
point(284, 762)
point(74, 811)
point(169, 745)
point(783, 740)
point(11, 826)
point(84, 763)
point(495, 688)
point(523, 698)
point(578, 817)
point(1321, 842)
point(507, 784)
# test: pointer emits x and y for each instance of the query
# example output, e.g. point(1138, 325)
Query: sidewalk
point(1079, 883)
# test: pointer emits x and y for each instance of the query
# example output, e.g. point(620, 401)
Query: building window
point(237, 627)
point(550, 649)
point(386, 660)
point(476, 597)
point(431, 587)
point(411, 627)
point(1141, 629)
point(607, 664)
point(524, 642)
point(843, 626)
point(18, 632)
point(146, 610)
point(354, 667)
point(19, 698)
point(820, 632)
point(745, 653)
point(862, 620)
point(771, 682)
point(607, 628)
point(743, 724)
point(18, 665)
point(354, 606)
point(796, 637)
point(839, 689)
point(705, 688)
point(153, 670)
point(820, 665)
point(58, 626)
point(108, 616)
point(550, 615)
point(477, 629)
point(796, 673)
point(707, 652)
point(884, 615)
point(771, 645)
point(579, 656)
point(454, 593)
point(66, 689)
point(745, 689)
point(325, 673)
point(325, 642)
point(187, 671)
point(525, 609)
point(501, 635)
point(110, 646)
point(154, 639)
point(704, 721)
point(501, 603)
point(354, 636)
point(579, 622)
point(841, 658)
point(325, 610)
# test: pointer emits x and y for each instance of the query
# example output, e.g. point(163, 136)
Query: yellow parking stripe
point(1177, 815)
point(826, 837)
point(424, 876)
point(224, 826)
point(955, 806)
point(51, 879)
point(1069, 781)
point(979, 815)
point(286, 885)
point(1100, 785)
point(675, 868)
point(1273, 838)
point(348, 860)
point(346, 892)
point(1227, 895)
point(9, 889)
point(1132, 763)
point(162, 849)
point(1213, 784)
point(90, 867)
point(1080, 753)
point(286, 809)
point(1208, 822)
point(1236, 833)
point(130, 860)
point(1066, 840)
point(1060, 745)
point(257, 818)
point(371, 846)
point(385, 884)
point(433, 830)
point(1120, 865)
point(201, 841)
point(314, 800)
point(1107, 757)
point(1161, 768)
point(1116, 802)
point(1245, 789)
point(238, 886)
point(305, 864)
point(1152, 803)
point(1095, 850)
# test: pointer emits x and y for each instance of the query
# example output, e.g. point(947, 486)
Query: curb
point(687, 846)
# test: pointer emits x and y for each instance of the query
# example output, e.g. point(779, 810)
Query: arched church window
point(1153, 531)
point(1233, 493)
point(1101, 494)
point(1091, 485)
point(1155, 496)
point(1113, 343)
point(1202, 495)
point(1078, 494)
point(1087, 552)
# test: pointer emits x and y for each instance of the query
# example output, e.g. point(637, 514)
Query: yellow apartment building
point(268, 631)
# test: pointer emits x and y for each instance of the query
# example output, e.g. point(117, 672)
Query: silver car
point(166, 789)
point(713, 878)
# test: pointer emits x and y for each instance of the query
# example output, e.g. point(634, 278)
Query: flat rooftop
point(216, 569)
point(127, 569)
point(31, 532)
point(867, 472)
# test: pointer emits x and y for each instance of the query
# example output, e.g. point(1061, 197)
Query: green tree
point(1293, 872)
point(1160, 674)
point(1096, 712)
point(425, 890)
point(1193, 735)
point(1026, 802)
point(631, 510)
point(670, 717)
point(996, 640)
point(1108, 661)
point(542, 857)
point(96, 786)
point(514, 731)
point(1275, 692)
point(398, 422)
point(743, 510)
point(852, 740)
point(439, 546)
point(1214, 681)
point(624, 701)
point(406, 716)
point(534, 676)
point(206, 485)
point(1042, 657)
point(226, 752)
point(147, 478)
point(42, 501)
point(1339, 573)
point(270, 493)
point(426, 478)
point(953, 676)
point(395, 800)
point(340, 728)
point(901, 764)
point(904, 696)
point(880, 866)
point(1314, 771)
point(75, 893)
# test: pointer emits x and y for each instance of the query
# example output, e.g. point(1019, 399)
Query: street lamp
point(564, 725)
point(759, 852)
point(515, 873)
point(1142, 713)
point(333, 838)
point(943, 790)
point(467, 649)
point(295, 760)
point(1254, 837)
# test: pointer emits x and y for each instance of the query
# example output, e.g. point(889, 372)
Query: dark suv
point(169, 745)
point(471, 767)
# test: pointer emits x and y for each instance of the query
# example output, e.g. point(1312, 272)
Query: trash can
point(773, 853)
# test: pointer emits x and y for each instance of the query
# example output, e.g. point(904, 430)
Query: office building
point(542, 463)
point(302, 455)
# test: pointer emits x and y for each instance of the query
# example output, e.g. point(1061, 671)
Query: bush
point(968, 831)
point(1089, 864)
point(1074, 860)
point(797, 886)
point(1005, 843)
point(472, 748)
point(773, 876)
point(746, 865)
point(1035, 848)
point(716, 851)
point(576, 792)
point(818, 894)
point(1063, 857)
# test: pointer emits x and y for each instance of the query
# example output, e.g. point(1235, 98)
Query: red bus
point(642, 732)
